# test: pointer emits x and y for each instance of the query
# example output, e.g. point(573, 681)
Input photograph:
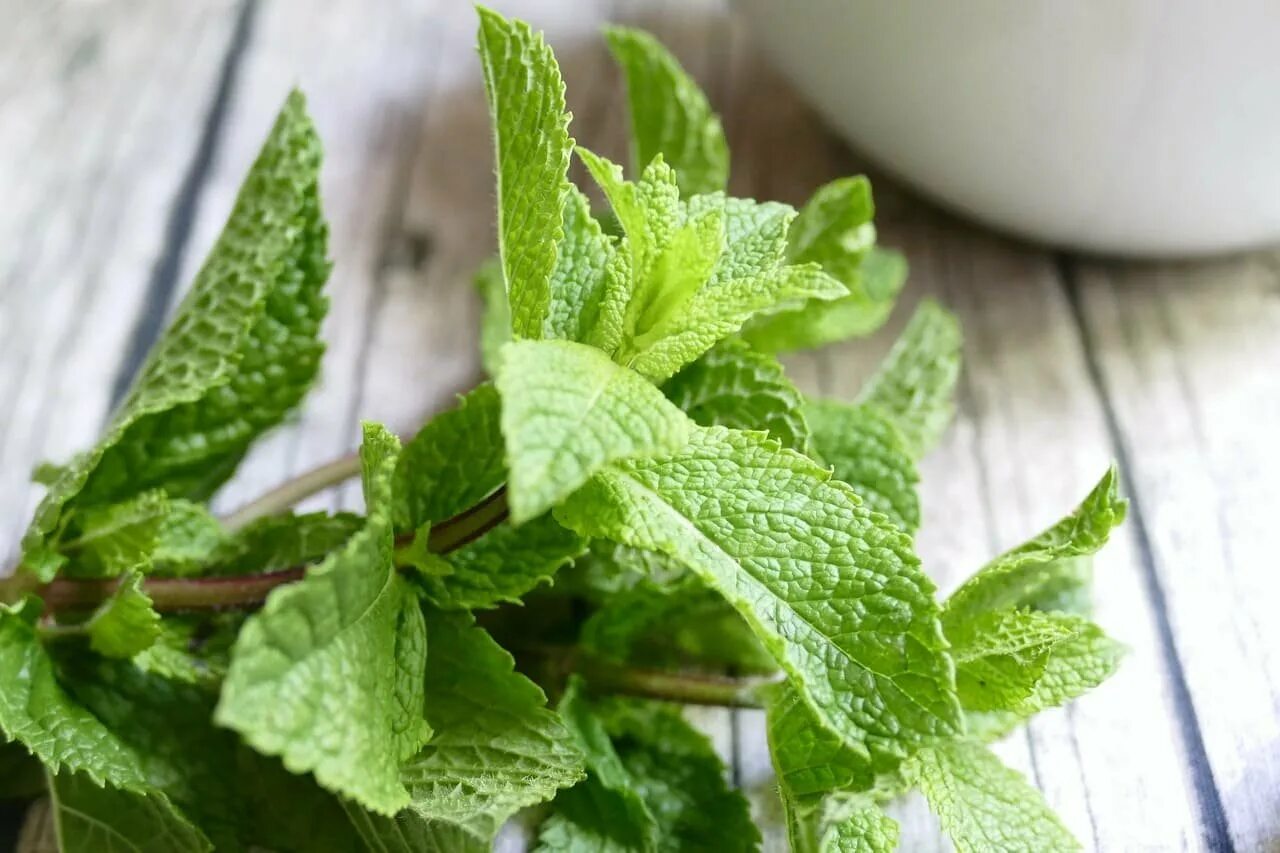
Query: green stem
point(685, 688)
point(292, 491)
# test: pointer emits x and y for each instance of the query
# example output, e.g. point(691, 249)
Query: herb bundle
point(637, 504)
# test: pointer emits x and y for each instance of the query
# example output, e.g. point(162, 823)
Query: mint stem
point(682, 687)
point(240, 591)
point(292, 491)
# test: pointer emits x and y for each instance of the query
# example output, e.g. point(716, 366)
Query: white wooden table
point(125, 126)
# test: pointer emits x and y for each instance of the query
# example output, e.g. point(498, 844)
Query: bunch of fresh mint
point(639, 510)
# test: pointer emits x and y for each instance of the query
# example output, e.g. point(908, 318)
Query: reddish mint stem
point(244, 591)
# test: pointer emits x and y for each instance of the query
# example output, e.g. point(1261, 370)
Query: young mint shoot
point(637, 510)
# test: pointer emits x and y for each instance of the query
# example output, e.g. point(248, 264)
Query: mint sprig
point(639, 510)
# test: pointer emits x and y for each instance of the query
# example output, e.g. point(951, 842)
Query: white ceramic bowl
point(1135, 127)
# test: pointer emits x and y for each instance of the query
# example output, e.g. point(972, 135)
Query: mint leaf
point(674, 625)
point(589, 285)
point(150, 533)
point(684, 266)
point(1001, 655)
point(118, 538)
point(1072, 667)
point(567, 412)
point(670, 115)
point(833, 592)
point(913, 386)
point(532, 147)
point(496, 749)
point(809, 760)
point(714, 313)
point(280, 542)
point(191, 649)
point(755, 234)
point(407, 833)
point(94, 819)
point(679, 777)
point(239, 799)
point(1017, 577)
point(734, 386)
point(648, 210)
point(495, 320)
point(188, 538)
point(858, 826)
point(453, 461)
point(834, 230)
point(983, 805)
point(865, 450)
point(125, 624)
point(502, 566)
point(605, 811)
point(329, 675)
point(38, 713)
point(241, 350)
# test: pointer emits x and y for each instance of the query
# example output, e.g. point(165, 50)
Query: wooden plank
point(1187, 355)
point(1029, 441)
point(366, 70)
point(105, 107)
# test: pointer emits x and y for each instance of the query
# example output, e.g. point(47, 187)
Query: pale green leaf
point(832, 590)
point(649, 211)
point(669, 113)
point(532, 148)
point(755, 234)
point(328, 675)
point(914, 385)
point(125, 624)
point(38, 713)
point(1001, 655)
point(715, 312)
point(501, 566)
point(685, 264)
point(1072, 668)
point(497, 748)
point(858, 826)
point(93, 819)
point(984, 806)
point(834, 227)
point(734, 386)
point(453, 461)
point(865, 450)
point(590, 284)
point(567, 412)
point(1019, 576)
point(240, 353)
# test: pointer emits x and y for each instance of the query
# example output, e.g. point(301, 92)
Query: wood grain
point(127, 128)
point(1187, 358)
point(104, 111)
